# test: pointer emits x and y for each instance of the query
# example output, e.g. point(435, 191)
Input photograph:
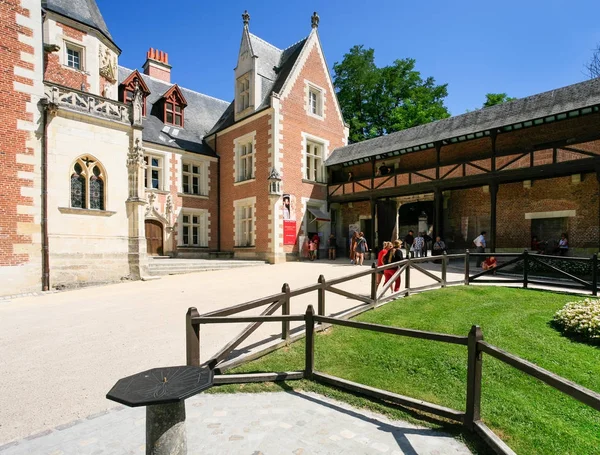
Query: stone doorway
point(154, 238)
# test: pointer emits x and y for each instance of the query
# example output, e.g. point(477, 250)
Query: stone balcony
point(86, 103)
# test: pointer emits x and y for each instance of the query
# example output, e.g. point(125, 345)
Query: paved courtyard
point(62, 352)
point(252, 424)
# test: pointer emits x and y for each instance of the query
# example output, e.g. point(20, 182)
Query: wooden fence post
point(595, 274)
point(473, 411)
point(192, 338)
point(444, 268)
point(373, 284)
point(321, 296)
point(407, 277)
point(467, 272)
point(309, 363)
point(525, 269)
point(285, 310)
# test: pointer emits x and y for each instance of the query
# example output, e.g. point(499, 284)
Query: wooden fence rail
point(476, 347)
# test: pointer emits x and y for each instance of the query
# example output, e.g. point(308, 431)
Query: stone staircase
point(158, 266)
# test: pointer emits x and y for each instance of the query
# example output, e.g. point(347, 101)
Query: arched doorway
point(154, 238)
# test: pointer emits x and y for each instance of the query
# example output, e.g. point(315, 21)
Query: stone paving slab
point(263, 423)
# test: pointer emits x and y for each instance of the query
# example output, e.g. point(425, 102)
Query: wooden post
point(493, 204)
point(192, 338)
point(444, 268)
point(374, 284)
point(473, 411)
point(321, 296)
point(595, 274)
point(309, 363)
point(285, 310)
point(407, 277)
point(525, 269)
point(467, 268)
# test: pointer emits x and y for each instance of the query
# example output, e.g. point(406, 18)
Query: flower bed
point(581, 319)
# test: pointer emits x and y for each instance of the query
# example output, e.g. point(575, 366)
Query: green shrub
point(580, 318)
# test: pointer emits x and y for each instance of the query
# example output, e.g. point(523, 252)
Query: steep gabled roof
point(542, 105)
point(83, 11)
point(177, 90)
point(201, 113)
point(274, 67)
point(129, 79)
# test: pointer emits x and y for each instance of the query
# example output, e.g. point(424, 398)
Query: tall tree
point(377, 101)
point(593, 66)
point(491, 99)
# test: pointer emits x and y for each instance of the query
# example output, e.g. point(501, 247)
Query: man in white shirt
point(479, 242)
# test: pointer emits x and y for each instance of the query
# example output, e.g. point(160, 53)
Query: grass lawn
point(528, 415)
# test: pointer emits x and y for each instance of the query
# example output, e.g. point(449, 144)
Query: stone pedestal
point(165, 429)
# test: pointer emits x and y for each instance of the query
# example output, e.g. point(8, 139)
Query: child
point(312, 250)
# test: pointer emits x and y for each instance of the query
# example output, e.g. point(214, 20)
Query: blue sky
point(518, 47)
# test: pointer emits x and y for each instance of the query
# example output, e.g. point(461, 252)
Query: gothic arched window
point(87, 184)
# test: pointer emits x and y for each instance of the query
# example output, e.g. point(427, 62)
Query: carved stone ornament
point(314, 20)
point(168, 207)
point(246, 18)
point(135, 157)
point(137, 104)
point(108, 64)
point(152, 211)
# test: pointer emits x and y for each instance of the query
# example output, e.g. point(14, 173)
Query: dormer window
point(127, 89)
point(173, 114)
point(174, 104)
point(243, 93)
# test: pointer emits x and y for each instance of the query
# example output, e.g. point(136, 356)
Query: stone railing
point(76, 100)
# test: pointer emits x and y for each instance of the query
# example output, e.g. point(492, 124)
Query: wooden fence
point(476, 347)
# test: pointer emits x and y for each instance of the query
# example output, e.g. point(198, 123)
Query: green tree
point(377, 101)
point(491, 99)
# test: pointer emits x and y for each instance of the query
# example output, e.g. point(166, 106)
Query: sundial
point(163, 391)
point(161, 386)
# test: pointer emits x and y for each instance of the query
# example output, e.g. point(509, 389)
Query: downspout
point(46, 106)
point(218, 194)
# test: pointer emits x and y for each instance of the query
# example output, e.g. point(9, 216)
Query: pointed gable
point(130, 82)
point(176, 95)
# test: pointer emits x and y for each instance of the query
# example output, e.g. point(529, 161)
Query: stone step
point(163, 266)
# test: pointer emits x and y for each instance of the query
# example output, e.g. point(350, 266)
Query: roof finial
point(314, 20)
point(246, 18)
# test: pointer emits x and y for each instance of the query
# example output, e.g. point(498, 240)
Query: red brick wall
point(514, 201)
point(13, 140)
point(61, 74)
point(257, 187)
point(297, 121)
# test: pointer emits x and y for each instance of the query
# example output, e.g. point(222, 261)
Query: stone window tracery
point(88, 184)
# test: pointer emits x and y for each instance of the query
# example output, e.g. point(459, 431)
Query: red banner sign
point(289, 232)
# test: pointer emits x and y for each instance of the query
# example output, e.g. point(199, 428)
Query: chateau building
point(105, 166)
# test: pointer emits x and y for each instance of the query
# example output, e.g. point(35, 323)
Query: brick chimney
point(157, 65)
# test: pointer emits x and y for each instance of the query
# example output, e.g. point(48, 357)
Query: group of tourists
point(419, 246)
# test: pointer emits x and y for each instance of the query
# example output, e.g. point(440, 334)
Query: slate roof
point(201, 113)
point(576, 96)
point(83, 11)
point(274, 67)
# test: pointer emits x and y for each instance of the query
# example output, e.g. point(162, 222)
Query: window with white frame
point(245, 161)
point(154, 172)
point(315, 101)
point(314, 162)
point(244, 222)
point(243, 97)
point(194, 178)
point(194, 229)
point(74, 56)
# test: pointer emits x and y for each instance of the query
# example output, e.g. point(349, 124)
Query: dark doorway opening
point(409, 215)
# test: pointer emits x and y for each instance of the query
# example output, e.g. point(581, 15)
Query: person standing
point(380, 257)
point(312, 247)
point(427, 243)
point(394, 255)
point(480, 243)
point(408, 243)
point(353, 247)
point(332, 247)
point(316, 241)
point(418, 245)
point(361, 248)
